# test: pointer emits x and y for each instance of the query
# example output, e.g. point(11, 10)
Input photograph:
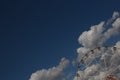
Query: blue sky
point(37, 34)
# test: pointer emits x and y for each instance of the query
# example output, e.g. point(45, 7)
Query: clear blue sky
point(36, 34)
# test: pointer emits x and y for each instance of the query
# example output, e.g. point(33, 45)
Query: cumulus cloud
point(96, 35)
point(109, 58)
point(53, 73)
point(115, 29)
point(91, 38)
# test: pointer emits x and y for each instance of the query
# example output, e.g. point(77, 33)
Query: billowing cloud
point(90, 38)
point(53, 73)
point(109, 58)
point(97, 35)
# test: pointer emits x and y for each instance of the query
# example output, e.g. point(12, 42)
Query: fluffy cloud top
point(95, 37)
point(110, 59)
point(53, 73)
point(91, 38)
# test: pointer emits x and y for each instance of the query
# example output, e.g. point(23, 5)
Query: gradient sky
point(36, 34)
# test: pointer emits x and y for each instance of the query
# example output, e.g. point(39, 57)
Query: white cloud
point(96, 36)
point(53, 73)
point(115, 29)
point(91, 38)
point(110, 60)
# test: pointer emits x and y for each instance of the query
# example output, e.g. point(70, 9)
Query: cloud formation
point(96, 35)
point(109, 58)
point(53, 73)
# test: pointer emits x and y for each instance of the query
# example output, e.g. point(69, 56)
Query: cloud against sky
point(95, 37)
point(53, 73)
